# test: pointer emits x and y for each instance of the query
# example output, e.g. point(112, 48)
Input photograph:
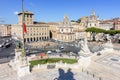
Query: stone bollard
point(93, 75)
point(87, 72)
point(65, 65)
point(38, 66)
point(100, 78)
point(82, 69)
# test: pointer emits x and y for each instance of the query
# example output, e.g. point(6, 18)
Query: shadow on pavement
point(65, 76)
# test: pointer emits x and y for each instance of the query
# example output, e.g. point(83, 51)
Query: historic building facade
point(112, 24)
point(87, 22)
point(93, 20)
point(28, 16)
point(35, 32)
point(106, 25)
point(5, 30)
point(64, 32)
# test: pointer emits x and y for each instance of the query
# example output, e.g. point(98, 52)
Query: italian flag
point(23, 22)
point(24, 27)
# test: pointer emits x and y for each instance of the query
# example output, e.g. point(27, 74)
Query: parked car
point(49, 52)
point(0, 45)
point(61, 48)
point(6, 45)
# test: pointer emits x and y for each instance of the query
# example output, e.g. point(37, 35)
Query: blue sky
point(54, 10)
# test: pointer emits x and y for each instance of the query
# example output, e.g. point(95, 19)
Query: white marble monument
point(84, 54)
point(84, 48)
point(20, 63)
point(108, 46)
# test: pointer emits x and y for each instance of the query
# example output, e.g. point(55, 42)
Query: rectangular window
point(90, 24)
point(30, 16)
point(27, 16)
point(95, 25)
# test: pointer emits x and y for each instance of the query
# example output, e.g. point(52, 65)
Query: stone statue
point(108, 45)
point(108, 38)
point(18, 45)
point(84, 47)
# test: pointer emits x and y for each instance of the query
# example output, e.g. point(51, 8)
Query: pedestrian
point(82, 69)
point(93, 75)
point(87, 72)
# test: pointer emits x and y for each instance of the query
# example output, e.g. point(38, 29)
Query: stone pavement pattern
point(103, 66)
point(6, 73)
point(53, 74)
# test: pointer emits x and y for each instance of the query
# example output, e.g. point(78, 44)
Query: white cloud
point(16, 13)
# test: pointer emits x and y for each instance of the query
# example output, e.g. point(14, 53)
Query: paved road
point(6, 54)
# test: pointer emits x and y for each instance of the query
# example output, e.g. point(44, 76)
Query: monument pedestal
point(23, 70)
point(20, 63)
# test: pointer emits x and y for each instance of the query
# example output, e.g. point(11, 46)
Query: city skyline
point(54, 10)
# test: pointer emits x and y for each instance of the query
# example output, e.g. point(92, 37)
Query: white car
point(57, 50)
point(49, 52)
point(0, 45)
point(62, 47)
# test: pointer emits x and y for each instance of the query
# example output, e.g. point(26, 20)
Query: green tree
point(73, 21)
point(78, 21)
point(93, 31)
point(112, 32)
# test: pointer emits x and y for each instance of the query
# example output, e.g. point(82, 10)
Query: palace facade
point(35, 31)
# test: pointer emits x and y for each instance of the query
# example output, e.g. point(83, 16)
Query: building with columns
point(64, 32)
point(35, 32)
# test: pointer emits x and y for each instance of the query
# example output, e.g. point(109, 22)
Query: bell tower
point(28, 17)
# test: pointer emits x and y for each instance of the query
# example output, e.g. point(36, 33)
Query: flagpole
point(23, 44)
